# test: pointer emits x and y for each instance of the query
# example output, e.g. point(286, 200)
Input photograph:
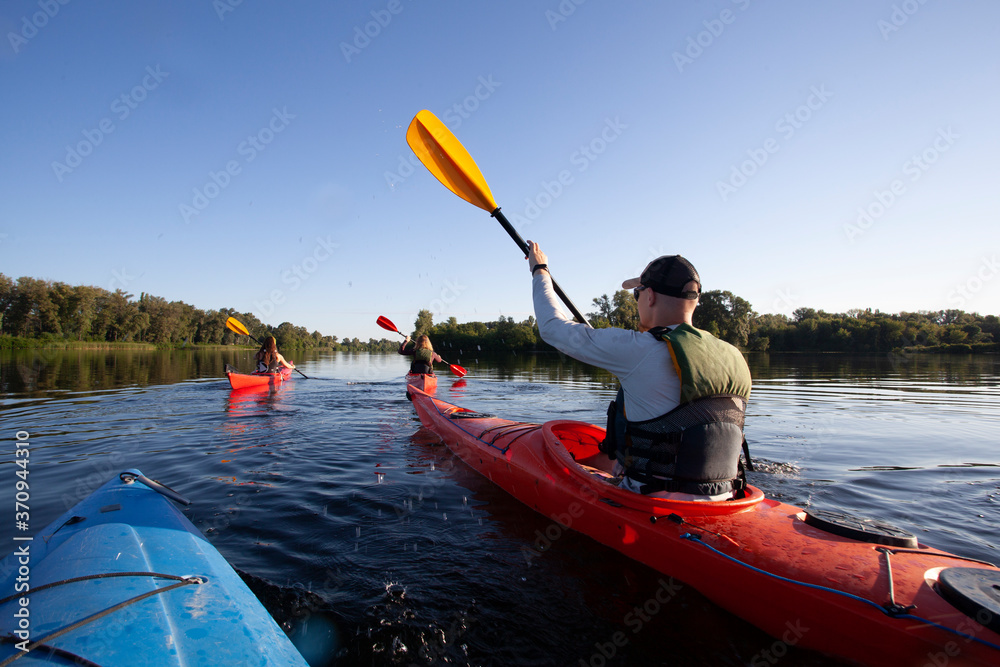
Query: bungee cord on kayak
point(86, 567)
point(41, 643)
point(893, 611)
point(109, 575)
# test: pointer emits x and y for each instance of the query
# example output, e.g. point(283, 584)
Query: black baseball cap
point(668, 275)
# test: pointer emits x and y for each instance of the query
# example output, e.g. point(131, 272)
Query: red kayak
point(239, 380)
point(427, 382)
point(854, 588)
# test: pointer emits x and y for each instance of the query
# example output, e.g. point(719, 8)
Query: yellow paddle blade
point(235, 325)
point(446, 158)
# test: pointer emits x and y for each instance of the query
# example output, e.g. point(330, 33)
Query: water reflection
point(29, 372)
point(950, 369)
point(36, 372)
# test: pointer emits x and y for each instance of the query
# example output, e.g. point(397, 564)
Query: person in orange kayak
point(675, 429)
point(423, 355)
point(269, 360)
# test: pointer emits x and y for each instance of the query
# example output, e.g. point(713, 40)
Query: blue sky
point(252, 155)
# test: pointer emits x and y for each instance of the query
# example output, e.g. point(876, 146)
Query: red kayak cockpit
point(576, 445)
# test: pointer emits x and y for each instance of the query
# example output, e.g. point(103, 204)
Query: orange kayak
point(427, 382)
point(850, 587)
point(239, 380)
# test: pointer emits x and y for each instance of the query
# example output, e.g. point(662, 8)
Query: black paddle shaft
point(524, 248)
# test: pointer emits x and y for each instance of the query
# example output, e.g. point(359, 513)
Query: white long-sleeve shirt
point(640, 362)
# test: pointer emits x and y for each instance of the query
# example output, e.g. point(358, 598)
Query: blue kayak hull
point(127, 527)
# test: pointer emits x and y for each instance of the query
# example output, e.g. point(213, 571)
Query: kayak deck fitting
point(849, 587)
point(123, 578)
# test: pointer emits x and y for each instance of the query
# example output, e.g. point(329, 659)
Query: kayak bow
point(427, 382)
point(123, 578)
point(850, 587)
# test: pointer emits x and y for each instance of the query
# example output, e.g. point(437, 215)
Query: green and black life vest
point(272, 367)
point(694, 448)
point(423, 361)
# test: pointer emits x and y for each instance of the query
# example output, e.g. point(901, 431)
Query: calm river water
point(373, 545)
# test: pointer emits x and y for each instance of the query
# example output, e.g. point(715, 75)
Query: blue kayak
point(123, 578)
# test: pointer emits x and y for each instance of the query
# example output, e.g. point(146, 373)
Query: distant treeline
point(36, 312)
point(857, 331)
point(43, 312)
point(733, 319)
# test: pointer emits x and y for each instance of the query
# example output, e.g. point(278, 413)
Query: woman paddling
point(269, 360)
point(423, 355)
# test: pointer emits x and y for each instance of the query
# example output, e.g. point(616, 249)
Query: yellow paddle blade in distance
point(446, 158)
point(237, 326)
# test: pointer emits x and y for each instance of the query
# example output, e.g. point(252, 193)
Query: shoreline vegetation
point(44, 314)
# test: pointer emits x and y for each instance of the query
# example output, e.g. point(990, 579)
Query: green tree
point(729, 314)
point(601, 318)
point(124, 319)
point(32, 312)
point(620, 310)
point(6, 299)
point(424, 323)
point(800, 314)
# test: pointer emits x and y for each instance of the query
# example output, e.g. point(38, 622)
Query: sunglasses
point(635, 292)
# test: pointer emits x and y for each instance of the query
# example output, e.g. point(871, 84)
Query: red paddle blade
point(458, 370)
point(386, 324)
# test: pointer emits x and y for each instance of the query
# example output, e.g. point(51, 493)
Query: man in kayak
point(676, 427)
